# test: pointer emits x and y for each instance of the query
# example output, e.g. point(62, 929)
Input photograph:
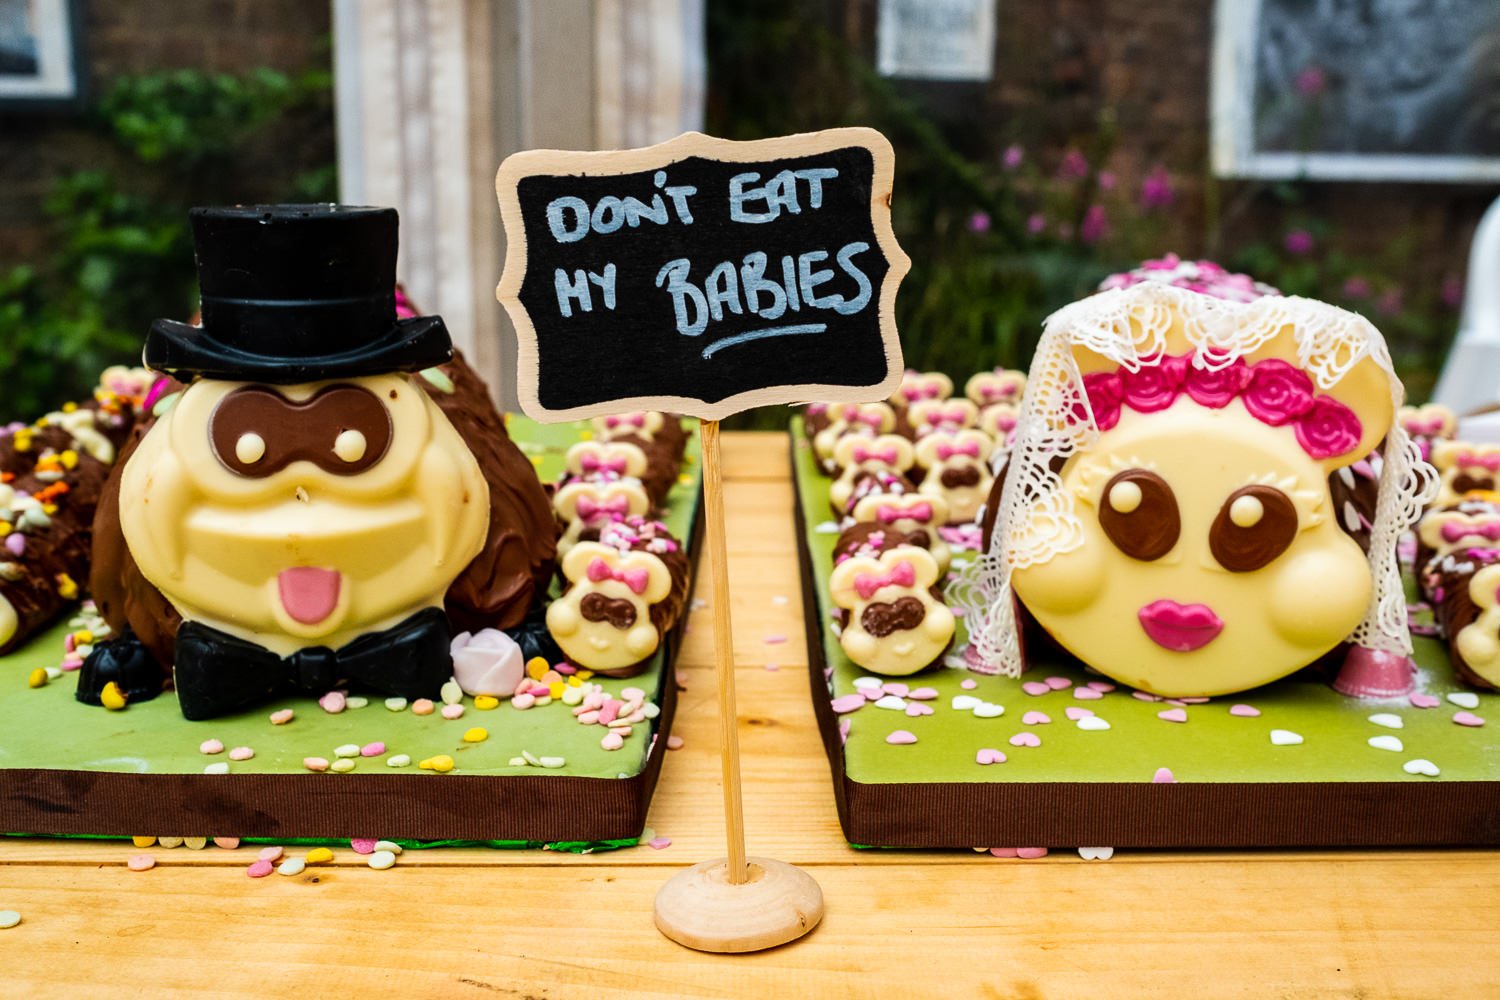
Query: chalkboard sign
point(702, 275)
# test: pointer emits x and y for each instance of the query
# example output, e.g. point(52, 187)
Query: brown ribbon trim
point(338, 806)
point(1135, 814)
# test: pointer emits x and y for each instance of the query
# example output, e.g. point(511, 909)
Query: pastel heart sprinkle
point(1103, 687)
point(872, 694)
point(1002, 852)
point(1058, 683)
point(1419, 699)
point(1467, 719)
point(1464, 699)
point(915, 709)
point(1026, 740)
point(1194, 701)
point(1390, 743)
point(901, 738)
point(1036, 719)
point(896, 688)
point(1096, 853)
point(1244, 711)
point(1163, 776)
point(849, 703)
point(1285, 738)
point(363, 845)
point(924, 694)
point(1421, 766)
point(987, 710)
point(1087, 694)
point(1173, 715)
point(968, 684)
point(1144, 696)
point(1092, 724)
point(1076, 712)
point(1387, 720)
point(965, 702)
point(869, 682)
point(989, 756)
point(1031, 853)
point(1035, 688)
point(890, 701)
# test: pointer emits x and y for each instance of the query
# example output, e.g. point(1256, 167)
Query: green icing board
point(47, 730)
point(1231, 786)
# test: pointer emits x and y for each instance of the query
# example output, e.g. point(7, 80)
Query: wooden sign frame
point(551, 162)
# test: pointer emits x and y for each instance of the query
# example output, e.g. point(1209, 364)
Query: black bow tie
point(217, 673)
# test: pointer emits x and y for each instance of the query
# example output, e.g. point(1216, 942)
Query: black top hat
point(296, 293)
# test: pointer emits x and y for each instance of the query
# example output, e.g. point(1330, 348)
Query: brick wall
point(139, 36)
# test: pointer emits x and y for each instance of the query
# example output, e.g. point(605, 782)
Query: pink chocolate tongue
point(308, 593)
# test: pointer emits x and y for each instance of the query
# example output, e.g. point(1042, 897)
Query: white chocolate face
point(603, 620)
point(998, 420)
point(1445, 531)
point(907, 513)
point(894, 626)
point(605, 459)
point(308, 553)
point(1210, 562)
point(642, 423)
point(852, 419)
point(855, 455)
point(1479, 641)
point(1000, 386)
point(958, 471)
point(916, 386)
point(929, 415)
point(583, 504)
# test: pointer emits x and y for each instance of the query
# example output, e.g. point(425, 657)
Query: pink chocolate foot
point(1374, 673)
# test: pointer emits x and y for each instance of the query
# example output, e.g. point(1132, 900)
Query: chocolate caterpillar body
point(1467, 606)
point(892, 623)
point(958, 471)
point(624, 594)
point(841, 420)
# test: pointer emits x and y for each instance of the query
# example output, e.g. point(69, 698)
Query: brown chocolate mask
point(257, 432)
point(880, 619)
point(598, 608)
point(967, 475)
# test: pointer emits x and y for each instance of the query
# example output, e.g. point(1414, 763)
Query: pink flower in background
point(1107, 180)
point(1390, 302)
point(1012, 157)
point(1298, 241)
point(1064, 231)
point(1356, 288)
point(1157, 190)
point(1095, 224)
point(1036, 223)
point(1311, 82)
point(979, 222)
point(1453, 292)
point(1073, 166)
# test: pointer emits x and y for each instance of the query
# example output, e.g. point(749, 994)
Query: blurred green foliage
point(122, 251)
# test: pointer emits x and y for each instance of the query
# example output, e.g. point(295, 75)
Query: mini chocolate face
point(603, 619)
point(584, 505)
point(907, 514)
point(852, 420)
point(642, 423)
point(303, 515)
point(1000, 386)
point(958, 471)
point(894, 627)
point(1465, 469)
point(917, 386)
point(1210, 559)
point(932, 415)
point(856, 455)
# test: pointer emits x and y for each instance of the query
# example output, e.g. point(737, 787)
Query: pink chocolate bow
point(952, 415)
point(635, 579)
point(903, 575)
point(614, 507)
point(890, 514)
point(626, 420)
point(1469, 460)
point(886, 455)
point(918, 391)
point(947, 451)
point(1453, 532)
point(591, 464)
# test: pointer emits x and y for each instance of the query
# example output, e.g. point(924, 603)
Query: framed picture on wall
point(39, 54)
point(1357, 89)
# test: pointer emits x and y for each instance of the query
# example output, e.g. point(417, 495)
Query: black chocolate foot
point(125, 662)
point(534, 639)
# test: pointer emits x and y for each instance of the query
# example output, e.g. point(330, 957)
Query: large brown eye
point(1255, 525)
point(1139, 514)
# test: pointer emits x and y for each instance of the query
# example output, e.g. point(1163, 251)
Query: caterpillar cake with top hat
point(320, 507)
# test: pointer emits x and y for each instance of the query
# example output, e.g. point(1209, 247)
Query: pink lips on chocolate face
point(1181, 628)
point(308, 593)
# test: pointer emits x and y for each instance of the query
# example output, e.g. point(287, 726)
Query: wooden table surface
point(444, 923)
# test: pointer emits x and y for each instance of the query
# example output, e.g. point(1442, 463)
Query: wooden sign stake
point(732, 904)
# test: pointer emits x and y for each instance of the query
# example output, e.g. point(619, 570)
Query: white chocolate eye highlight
point(1125, 496)
point(250, 448)
point(1246, 511)
point(349, 446)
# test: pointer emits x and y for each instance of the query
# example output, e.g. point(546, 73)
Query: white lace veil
point(1037, 521)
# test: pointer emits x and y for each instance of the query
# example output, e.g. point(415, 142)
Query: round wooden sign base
point(702, 909)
